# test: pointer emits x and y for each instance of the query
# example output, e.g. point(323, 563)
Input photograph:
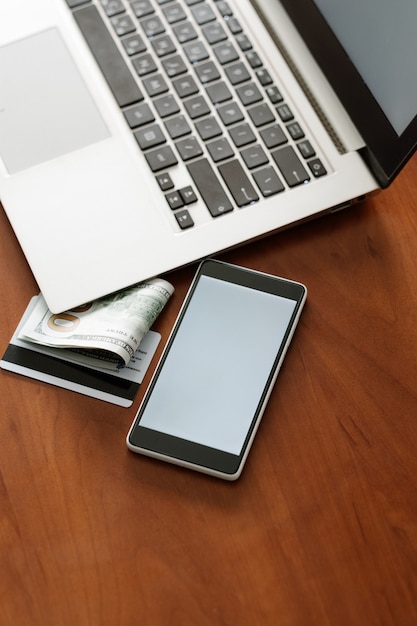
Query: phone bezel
point(194, 455)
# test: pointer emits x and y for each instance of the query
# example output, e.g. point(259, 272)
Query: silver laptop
point(137, 136)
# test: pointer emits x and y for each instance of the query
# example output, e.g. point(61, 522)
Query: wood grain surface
point(321, 529)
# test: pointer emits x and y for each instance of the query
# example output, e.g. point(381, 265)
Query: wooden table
point(321, 529)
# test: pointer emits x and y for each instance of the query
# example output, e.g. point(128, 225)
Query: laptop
point(137, 136)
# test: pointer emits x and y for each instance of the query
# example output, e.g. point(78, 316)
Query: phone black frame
point(188, 453)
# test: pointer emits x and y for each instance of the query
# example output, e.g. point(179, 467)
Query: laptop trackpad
point(46, 109)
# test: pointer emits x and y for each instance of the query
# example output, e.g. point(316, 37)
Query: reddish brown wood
point(321, 529)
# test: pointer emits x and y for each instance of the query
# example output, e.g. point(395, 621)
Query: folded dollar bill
point(103, 333)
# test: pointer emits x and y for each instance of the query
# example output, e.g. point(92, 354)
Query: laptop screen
point(368, 51)
point(369, 38)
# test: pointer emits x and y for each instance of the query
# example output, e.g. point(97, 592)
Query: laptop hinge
point(354, 140)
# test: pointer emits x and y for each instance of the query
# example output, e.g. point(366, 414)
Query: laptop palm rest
point(46, 109)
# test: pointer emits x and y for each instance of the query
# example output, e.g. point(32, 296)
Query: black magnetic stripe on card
point(72, 372)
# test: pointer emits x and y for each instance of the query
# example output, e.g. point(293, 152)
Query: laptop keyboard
point(193, 90)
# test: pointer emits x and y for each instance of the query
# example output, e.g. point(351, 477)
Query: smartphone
point(211, 385)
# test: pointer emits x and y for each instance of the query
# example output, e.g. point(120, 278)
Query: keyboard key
point(163, 45)
point(203, 13)
point(142, 8)
point(75, 3)
point(268, 181)
point(188, 195)
point(185, 32)
point(152, 26)
point(249, 94)
point(123, 25)
point(133, 44)
point(225, 53)
point(108, 56)
point(174, 13)
point(290, 166)
point(224, 8)
point(273, 136)
point(144, 65)
point(214, 33)
point(317, 168)
point(161, 158)
point(149, 137)
point(219, 149)
point(177, 127)
point(254, 156)
point(196, 107)
point(237, 73)
point(274, 94)
point(112, 7)
point(238, 183)
point(261, 115)
point(219, 92)
point(264, 77)
point(209, 187)
point(164, 181)
point(242, 135)
point(189, 148)
point(174, 200)
point(207, 72)
point(306, 149)
point(139, 115)
point(155, 85)
point(208, 128)
point(196, 51)
point(295, 131)
point(166, 106)
point(253, 59)
point(185, 86)
point(234, 26)
point(174, 66)
point(243, 43)
point(285, 112)
point(184, 219)
point(230, 113)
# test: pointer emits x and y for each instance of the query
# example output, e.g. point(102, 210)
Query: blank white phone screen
point(216, 370)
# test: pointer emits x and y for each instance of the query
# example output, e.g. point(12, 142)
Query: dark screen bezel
point(386, 152)
point(189, 452)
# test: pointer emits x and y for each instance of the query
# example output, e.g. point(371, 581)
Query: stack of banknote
point(103, 333)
